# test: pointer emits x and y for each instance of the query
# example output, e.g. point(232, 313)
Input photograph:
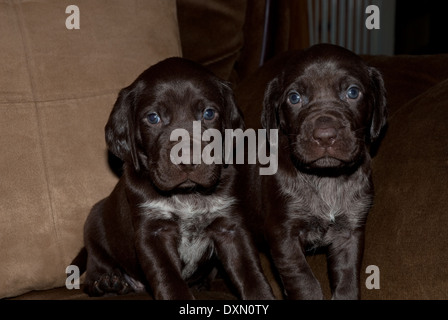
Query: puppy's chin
point(327, 165)
point(327, 162)
point(188, 187)
point(183, 183)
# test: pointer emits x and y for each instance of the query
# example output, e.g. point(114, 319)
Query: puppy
point(328, 107)
point(163, 221)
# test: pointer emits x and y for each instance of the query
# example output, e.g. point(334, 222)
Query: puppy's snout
point(325, 131)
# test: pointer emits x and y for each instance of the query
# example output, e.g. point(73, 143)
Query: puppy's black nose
point(325, 132)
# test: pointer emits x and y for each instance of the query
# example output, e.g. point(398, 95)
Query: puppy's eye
point(353, 93)
point(294, 97)
point(153, 118)
point(209, 114)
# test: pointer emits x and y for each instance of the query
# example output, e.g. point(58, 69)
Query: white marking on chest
point(303, 193)
point(194, 213)
point(327, 197)
point(332, 195)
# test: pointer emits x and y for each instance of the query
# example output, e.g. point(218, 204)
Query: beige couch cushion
point(57, 87)
point(407, 232)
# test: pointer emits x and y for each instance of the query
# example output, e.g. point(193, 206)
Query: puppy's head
point(170, 95)
point(328, 104)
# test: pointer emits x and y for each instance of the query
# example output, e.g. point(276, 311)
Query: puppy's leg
point(297, 277)
point(344, 258)
point(103, 273)
point(240, 260)
point(156, 244)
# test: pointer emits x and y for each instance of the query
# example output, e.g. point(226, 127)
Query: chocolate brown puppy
point(328, 107)
point(165, 220)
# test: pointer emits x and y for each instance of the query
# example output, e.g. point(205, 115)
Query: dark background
point(421, 27)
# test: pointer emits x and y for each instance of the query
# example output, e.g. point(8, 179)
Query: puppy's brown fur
point(328, 107)
point(163, 221)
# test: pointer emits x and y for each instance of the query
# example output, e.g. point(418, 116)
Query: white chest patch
point(194, 214)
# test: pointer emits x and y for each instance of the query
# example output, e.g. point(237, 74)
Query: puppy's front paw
point(109, 283)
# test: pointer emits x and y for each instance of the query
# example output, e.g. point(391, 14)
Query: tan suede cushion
point(57, 87)
point(407, 233)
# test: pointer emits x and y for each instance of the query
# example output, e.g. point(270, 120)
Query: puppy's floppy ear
point(269, 115)
point(120, 128)
point(233, 117)
point(379, 113)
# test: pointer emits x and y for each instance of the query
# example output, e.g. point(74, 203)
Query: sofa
point(58, 86)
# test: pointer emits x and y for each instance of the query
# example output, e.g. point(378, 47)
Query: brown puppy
point(328, 107)
point(163, 220)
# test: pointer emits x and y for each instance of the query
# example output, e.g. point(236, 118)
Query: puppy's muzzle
point(326, 140)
